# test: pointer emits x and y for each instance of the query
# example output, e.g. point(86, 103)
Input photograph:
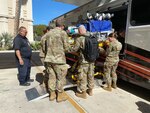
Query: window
point(140, 12)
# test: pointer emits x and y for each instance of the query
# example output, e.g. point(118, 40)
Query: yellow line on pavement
point(75, 104)
point(71, 100)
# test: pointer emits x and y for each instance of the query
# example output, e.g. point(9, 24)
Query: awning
point(74, 2)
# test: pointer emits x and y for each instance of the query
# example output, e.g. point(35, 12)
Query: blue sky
point(46, 10)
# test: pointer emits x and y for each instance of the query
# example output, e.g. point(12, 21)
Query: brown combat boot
point(52, 96)
point(61, 97)
point(81, 95)
point(90, 92)
point(108, 88)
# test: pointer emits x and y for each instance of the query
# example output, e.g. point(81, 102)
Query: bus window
point(140, 12)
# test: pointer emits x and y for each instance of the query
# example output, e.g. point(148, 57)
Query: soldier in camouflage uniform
point(85, 80)
point(111, 61)
point(43, 49)
point(42, 54)
point(57, 43)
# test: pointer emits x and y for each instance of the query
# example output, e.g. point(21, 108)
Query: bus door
point(136, 65)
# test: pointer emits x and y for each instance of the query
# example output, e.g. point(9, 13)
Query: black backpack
point(91, 51)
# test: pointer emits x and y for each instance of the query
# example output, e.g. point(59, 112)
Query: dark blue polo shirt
point(21, 43)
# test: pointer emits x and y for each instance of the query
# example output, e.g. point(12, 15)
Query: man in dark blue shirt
point(23, 54)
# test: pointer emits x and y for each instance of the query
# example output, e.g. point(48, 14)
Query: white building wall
point(26, 18)
point(30, 20)
point(7, 13)
point(3, 16)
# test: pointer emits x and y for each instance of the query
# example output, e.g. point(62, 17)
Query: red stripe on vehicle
point(138, 56)
point(126, 76)
point(71, 59)
point(134, 71)
point(135, 66)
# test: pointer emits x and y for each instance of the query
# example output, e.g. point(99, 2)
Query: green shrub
point(6, 41)
point(36, 45)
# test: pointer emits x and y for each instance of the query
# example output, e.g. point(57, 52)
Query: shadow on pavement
point(40, 77)
point(143, 107)
point(134, 89)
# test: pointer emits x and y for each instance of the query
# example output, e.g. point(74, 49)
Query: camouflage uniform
point(43, 49)
point(57, 44)
point(86, 69)
point(111, 62)
point(42, 55)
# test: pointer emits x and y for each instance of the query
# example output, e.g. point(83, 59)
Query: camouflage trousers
point(110, 72)
point(85, 77)
point(45, 74)
point(57, 76)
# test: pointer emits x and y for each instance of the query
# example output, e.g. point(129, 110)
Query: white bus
point(134, 17)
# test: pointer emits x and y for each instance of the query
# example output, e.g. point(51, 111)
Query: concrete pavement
point(13, 99)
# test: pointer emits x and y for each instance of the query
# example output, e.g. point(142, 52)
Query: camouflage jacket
point(43, 49)
point(57, 45)
point(79, 47)
point(113, 50)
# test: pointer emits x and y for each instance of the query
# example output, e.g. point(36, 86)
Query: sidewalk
point(13, 99)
